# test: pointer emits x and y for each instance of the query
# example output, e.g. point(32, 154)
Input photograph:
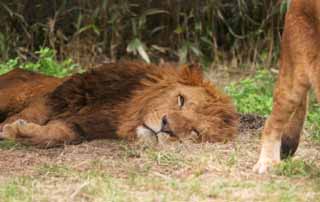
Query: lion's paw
point(10, 131)
point(263, 166)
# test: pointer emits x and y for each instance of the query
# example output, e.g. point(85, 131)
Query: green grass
point(18, 189)
point(296, 168)
point(9, 144)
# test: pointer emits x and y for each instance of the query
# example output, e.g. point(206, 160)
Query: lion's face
point(188, 112)
point(179, 103)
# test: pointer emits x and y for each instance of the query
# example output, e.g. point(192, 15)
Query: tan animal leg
point(52, 134)
point(288, 110)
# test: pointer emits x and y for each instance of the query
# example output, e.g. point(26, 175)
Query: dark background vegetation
point(88, 31)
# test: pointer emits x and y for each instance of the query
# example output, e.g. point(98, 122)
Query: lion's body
point(299, 71)
point(116, 100)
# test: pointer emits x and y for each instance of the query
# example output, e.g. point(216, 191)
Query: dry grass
point(106, 170)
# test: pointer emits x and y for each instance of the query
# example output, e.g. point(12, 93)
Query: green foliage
point(9, 65)
point(46, 63)
point(254, 94)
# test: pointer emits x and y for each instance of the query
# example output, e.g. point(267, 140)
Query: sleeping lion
point(128, 100)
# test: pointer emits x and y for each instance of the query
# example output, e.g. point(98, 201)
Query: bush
point(253, 94)
point(45, 64)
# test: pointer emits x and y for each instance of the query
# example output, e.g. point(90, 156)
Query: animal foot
point(10, 131)
point(263, 166)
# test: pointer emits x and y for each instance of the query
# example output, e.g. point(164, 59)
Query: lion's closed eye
point(181, 101)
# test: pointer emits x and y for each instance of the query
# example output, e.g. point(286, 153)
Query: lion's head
point(180, 103)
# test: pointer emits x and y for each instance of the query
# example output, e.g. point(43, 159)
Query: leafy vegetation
point(46, 63)
point(254, 95)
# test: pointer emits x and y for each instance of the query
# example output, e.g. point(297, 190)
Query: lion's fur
point(111, 101)
point(18, 87)
point(299, 71)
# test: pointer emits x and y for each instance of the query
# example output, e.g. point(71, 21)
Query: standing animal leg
point(289, 99)
point(53, 133)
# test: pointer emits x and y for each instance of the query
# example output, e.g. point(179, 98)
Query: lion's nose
point(165, 124)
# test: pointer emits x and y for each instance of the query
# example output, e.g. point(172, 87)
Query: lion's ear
point(192, 74)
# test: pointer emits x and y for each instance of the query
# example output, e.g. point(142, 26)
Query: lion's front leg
point(279, 126)
point(52, 134)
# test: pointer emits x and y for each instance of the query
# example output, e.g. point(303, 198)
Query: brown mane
point(161, 79)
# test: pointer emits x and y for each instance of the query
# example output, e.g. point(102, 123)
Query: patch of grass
point(54, 170)
point(165, 158)
point(296, 168)
point(17, 189)
point(224, 188)
point(7, 144)
point(313, 120)
point(130, 152)
point(282, 191)
point(10, 144)
point(232, 160)
point(103, 187)
point(46, 63)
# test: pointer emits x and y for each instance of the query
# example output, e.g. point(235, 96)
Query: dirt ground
point(112, 170)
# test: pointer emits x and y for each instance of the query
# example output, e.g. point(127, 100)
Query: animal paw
point(263, 166)
point(10, 131)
